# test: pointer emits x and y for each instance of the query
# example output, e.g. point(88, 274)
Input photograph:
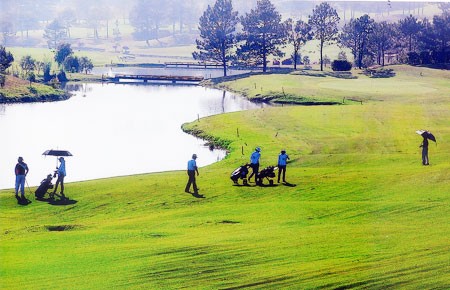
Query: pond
point(111, 130)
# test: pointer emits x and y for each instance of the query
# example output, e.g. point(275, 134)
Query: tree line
point(31, 68)
point(262, 34)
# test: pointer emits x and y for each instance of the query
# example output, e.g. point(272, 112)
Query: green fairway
point(359, 212)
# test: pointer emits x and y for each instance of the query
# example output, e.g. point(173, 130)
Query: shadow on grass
point(64, 201)
point(23, 201)
point(289, 184)
point(60, 201)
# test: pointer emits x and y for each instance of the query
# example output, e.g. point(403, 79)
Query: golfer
point(254, 163)
point(191, 170)
point(61, 171)
point(21, 171)
point(282, 162)
point(424, 146)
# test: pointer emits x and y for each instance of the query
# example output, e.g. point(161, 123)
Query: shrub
point(47, 75)
point(62, 76)
point(413, 58)
point(341, 65)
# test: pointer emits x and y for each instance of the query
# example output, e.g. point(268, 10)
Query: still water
point(112, 130)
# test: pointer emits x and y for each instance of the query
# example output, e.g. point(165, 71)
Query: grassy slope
point(19, 88)
point(364, 213)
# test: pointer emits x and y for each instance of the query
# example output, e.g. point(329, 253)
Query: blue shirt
point(192, 165)
point(282, 159)
point(254, 158)
point(62, 168)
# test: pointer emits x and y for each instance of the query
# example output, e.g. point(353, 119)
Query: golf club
point(29, 190)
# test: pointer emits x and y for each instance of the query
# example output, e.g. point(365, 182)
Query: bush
point(47, 75)
point(62, 76)
point(341, 65)
point(413, 58)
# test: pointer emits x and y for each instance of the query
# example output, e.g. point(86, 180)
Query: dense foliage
point(410, 40)
point(6, 59)
point(341, 65)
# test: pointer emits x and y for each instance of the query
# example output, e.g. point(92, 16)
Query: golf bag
point(268, 173)
point(45, 185)
point(240, 173)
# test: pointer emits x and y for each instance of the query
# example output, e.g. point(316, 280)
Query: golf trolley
point(267, 173)
point(240, 173)
point(45, 185)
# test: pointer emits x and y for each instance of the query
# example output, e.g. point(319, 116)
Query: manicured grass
point(363, 214)
point(411, 84)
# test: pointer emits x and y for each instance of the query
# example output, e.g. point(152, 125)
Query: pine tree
point(324, 22)
point(263, 34)
point(217, 26)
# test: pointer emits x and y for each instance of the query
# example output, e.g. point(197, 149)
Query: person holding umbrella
point(426, 135)
point(61, 171)
point(21, 171)
point(424, 147)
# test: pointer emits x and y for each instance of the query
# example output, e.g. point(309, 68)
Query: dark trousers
point(191, 180)
point(425, 155)
point(282, 169)
point(255, 170)
point(58, 181)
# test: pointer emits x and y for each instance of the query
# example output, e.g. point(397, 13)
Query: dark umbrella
point(426, 134)
point(57, 153)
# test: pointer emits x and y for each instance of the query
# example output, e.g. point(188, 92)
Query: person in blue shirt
point(191, 170)
point(21, 171)
point(282, 162)
point(254, 163)
point(61, 171)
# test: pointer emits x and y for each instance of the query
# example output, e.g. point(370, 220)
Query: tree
point(86, 64)
point(298, 34)
point(66, 18)
point(217, 26)
point(6, 59)
point(31, 77)
point(146, 17)
point(63, 51)
point(355, 35)
point(39, 66)
point(7, 31)
point(324, 22)
point(262, 34)
point(27, 64)
point(55, 33)
point(381, 39)
point(410, 28)
point(441, 26)
point(71, 64)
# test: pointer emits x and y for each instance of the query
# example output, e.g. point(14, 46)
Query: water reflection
point(112, 130)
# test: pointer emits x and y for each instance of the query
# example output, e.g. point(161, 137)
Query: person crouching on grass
point(61, 171)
